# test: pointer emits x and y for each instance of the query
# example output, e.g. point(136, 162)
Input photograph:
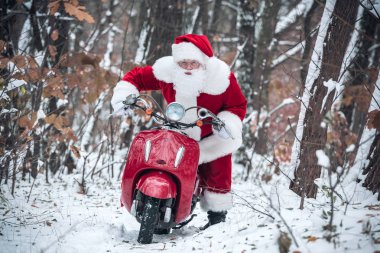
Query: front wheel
point(149, 220)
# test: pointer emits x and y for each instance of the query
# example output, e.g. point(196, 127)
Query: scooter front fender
point(157, 184)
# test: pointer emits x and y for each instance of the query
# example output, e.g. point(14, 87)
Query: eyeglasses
point(187, 64)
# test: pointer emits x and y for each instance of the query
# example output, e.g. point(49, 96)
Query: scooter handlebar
point(132, 102)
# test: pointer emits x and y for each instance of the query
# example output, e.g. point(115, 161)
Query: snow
point(323, 159)
point(25, 37)
point(59, 219)
point(62, 102)
point(106, 61)
point(350, 148)
point(330, 85)
point(5, 111)
point(14, 84)
point(286, 55)
point(141, 49)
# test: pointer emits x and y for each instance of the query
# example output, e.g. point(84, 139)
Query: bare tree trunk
point(204, 15)
point(308, 43)
point(246, 58)
point(372, 170)
point(265, 46)
point(202, 18)
point(213, 26)
point(313, 136)
point(363, 73)
point(167, 24)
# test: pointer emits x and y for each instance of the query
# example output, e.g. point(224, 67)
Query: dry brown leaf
point(34, 74)
point(54, 35)
point(72, 80)
point(53, 89)
point(78, 12)
point(54, 6)
point(312, 239)
point(52, 51)
point(32, 62)
point(50, 119)
point(2, 45)
point(296, 251)
point(76, 151)
point(374, 119)
point(69, 134)
point(374, 207)
point(4, 62)
point(266, 177)
point(75, 2)
point(27, 121)
point(20, 61)
point(58, 123)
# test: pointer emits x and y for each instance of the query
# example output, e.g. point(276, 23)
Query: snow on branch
point(300, 10)
point(284, 56)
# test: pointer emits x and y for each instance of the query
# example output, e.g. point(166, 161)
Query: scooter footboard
point(158, 185)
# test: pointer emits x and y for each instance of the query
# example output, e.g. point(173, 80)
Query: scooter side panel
point(164, 147)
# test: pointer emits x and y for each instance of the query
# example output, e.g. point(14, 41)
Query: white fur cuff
point(122, 90)
point(214, 147)
point(217, 202)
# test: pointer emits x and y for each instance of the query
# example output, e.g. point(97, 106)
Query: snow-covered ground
point(59, 219)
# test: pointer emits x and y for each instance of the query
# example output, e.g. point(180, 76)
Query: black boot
point(215, 218)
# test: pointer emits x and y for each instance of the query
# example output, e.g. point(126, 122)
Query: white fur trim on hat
point(217, 202)
point(188, 51)
point(216, 82)
point(214, 147)
point(122, 90)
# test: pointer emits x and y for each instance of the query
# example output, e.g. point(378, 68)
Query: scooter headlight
point(175, 111)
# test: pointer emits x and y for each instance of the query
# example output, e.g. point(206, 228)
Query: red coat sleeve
point(234, 100)
point(143, 78)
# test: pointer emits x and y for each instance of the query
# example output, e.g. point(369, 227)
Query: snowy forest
point(306, 179)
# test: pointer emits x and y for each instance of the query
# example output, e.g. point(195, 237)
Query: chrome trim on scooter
point(168, 214)
point(133, 208)
point(179, 156)
point(148, 146)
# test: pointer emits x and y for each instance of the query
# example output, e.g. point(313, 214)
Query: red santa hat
point(192, 47)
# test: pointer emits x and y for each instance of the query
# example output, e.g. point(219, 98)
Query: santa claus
point(192, 76)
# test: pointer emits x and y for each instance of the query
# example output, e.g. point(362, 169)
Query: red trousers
point(215, 181)
point(215, 176)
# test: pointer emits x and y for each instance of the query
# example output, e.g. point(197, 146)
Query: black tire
point(149, 219)
point(162, 231)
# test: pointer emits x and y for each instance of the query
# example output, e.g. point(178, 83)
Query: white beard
point(190, 85)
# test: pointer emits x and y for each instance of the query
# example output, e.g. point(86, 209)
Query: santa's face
point(189, 77)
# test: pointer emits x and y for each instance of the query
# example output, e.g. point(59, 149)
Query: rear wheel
point(149, 220)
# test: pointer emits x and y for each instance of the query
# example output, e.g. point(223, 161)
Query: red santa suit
point(219, 92)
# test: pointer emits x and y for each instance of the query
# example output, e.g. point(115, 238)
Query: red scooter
point(160, 184)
